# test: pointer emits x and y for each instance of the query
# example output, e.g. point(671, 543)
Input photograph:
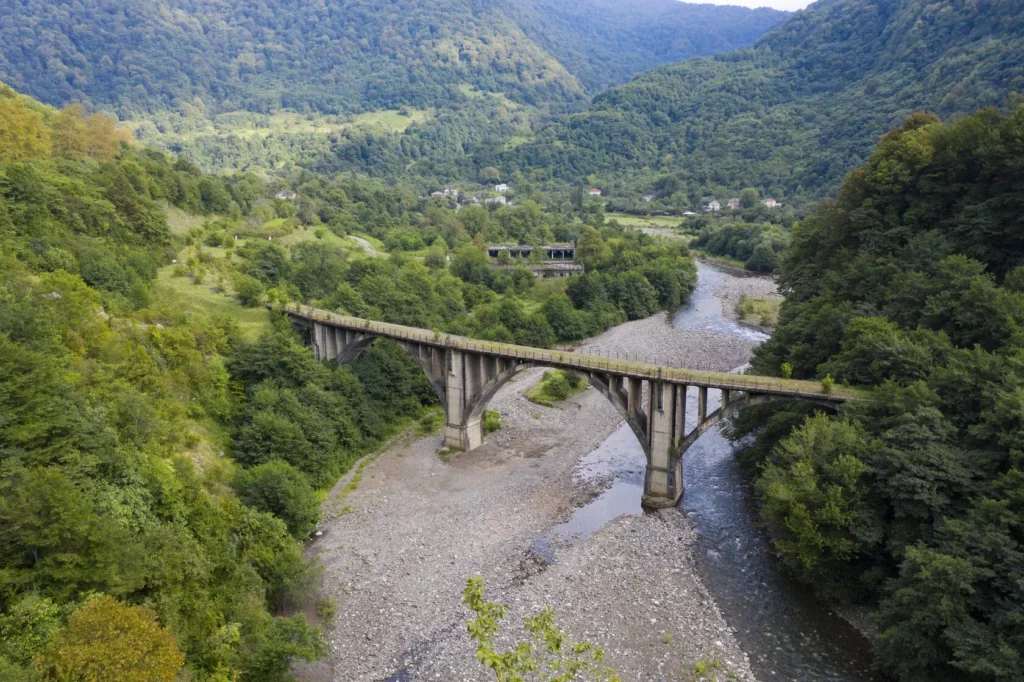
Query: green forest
point(163, 456)
point(792, 115)
point(910, 283)
point(187, 73)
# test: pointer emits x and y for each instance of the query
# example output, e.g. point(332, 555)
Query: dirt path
point(367, 246)
point(396, 563)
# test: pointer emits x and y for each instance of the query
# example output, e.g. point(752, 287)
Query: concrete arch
point(636, 418)
point(730, 409)
point(477, 405)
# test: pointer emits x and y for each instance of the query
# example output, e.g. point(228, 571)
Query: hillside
point(138, 57)
point(911, 283)
point(796, 112)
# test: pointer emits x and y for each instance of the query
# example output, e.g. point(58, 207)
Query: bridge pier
point(663, 482)
point(463, 430)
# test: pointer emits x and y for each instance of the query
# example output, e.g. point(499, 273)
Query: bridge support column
point(663, 483)
point(464, 430)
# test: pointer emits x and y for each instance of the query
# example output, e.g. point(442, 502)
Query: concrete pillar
point(702, 405)
point(462, 431)
point(679, 415)
point(663, 483)
point(635, 395)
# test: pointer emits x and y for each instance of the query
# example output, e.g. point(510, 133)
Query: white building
point(501, 188)
point(594, 192)
point(770, 203)
point(286, 195)
point(713, 207)
point(497, 200)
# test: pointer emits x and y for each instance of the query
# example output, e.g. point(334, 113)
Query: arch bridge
point(466, 374)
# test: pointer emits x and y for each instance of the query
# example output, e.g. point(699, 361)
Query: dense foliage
point(911, 283)
point(792, 115)
point(260, 56)
point(118, 410)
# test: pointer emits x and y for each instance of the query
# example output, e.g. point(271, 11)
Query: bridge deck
point(576, 361)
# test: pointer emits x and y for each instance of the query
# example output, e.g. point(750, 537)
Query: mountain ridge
point(258, 55)
point(794, 113)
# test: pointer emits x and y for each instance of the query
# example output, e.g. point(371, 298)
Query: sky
point(775, 4)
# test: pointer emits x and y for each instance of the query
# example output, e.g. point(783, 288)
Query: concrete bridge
point(467, 373)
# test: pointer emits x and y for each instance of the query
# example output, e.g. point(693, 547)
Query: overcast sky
point(777, 4)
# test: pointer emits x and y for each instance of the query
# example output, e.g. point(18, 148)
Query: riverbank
point(417, 527)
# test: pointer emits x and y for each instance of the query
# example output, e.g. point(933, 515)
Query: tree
point(813, 490)
point(489, 175)
point(591, 250)
point(68, 133)
point(104, 138)
point(249, 290)
point(634, 293)
point(280, 489)
point(549, 655)
point(106, 641)
point(22, 133)
point(749, 198)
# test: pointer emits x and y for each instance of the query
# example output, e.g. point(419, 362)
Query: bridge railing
point(583, 362)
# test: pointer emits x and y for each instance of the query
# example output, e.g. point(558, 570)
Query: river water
point(784, 631)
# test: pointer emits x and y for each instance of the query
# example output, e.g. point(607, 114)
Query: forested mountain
point(140, 56)
point(796, 112)
point(911, 284)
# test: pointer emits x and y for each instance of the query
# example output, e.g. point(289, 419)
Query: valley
point(289, 294)
point(625, 583)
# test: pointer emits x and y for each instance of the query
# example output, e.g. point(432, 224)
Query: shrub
point(278, 488)
point(492, 421)
point(249, 290)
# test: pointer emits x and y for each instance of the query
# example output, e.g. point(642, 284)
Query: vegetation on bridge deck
point(739, 382)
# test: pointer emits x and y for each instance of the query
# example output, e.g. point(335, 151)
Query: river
point(786, 634)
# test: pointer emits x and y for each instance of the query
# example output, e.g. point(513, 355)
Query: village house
point(734, 204)
point(470, 199)
point(501, 188)
point(712, 207)
point(437, 195)
point(648, 198)
point(594, 192)
point(496, 200)
point(286, 195)
point(770, 203)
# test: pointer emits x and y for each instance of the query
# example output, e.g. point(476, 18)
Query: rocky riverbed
point(396, 562)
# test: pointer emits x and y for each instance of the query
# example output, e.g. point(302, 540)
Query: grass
point(322, 234)
point(556, 387)
point(762, 311)
point(181, 222)
point(189, 297)
point(627, 220)
point(374, 242)
point(710, 670)
point(293, 123)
